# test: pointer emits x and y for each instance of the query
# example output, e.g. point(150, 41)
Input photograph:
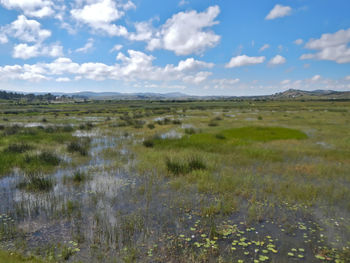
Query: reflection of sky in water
point(171, 135)
point(43, 211)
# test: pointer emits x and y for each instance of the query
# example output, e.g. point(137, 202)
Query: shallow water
point(116, 209)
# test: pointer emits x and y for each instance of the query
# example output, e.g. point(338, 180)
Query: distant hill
point(291, 94)
point(129, 96)
point(308, 95)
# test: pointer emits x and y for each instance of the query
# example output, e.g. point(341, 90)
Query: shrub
point(176, 122)
point(217, 118)
point(11, 130)
point(148, 143)
point(151, 126)
point(67, 128)
point(220, 136)
point(190, 131)
point(212, 124)
point(18, 148)
point(139, 124)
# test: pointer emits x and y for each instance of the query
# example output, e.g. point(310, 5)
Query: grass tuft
point(36, 183)
point(181, 167)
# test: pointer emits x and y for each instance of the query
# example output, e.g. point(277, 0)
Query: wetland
point(175, 181)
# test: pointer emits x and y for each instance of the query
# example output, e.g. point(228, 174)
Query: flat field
point(175, 181)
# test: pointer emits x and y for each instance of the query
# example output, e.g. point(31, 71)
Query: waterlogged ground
point(216, 182)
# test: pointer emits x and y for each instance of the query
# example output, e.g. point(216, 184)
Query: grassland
point(181, 181)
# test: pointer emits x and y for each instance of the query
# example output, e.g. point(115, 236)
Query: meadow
point(175, 181)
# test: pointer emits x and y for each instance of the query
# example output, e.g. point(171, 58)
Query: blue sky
point(199, 47)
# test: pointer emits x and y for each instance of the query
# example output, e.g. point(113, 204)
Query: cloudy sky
point(202, 47)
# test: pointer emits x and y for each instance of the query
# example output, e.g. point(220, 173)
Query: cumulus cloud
point(134, 66)
point(333, 47)
point(100, 15)
point(298, 41)
point(89, 45)
point(279, 11)
point(31, 73)
point(244, 60)
point(25, 51)
point(316, 78)
point(36, 8)
point(285, 82)
point(264, 47)
point(277, 60)
point(63, 79)
point(191, 64)
point(26, 30)
point(30, 32)
point(347, 78)
point(3, 38)
point(116, 48)
point(144, 32)
point(198, 78)
point(224, 83)
point(187, 32)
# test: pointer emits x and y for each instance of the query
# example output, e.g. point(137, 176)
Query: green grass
point(31, 149)
point(246, 169)
point(7, 257)
point(264, 134)
point(226, 139)
point(181, 166)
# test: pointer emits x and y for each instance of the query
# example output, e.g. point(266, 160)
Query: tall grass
point(36, 183)
point(181, 167)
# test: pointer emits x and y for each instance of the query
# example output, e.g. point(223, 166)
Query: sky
point(197, 47)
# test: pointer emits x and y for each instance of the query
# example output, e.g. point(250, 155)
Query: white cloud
point(285, 82)
point(63, 79)
point(279, 11)
point(191, 64)
point(198, 78)
point(347, 77)
point(26, 30)
point(144, 32)
point(89, 45)
point(333, 47)
point(298, 41)
point(32, 8)
point(31, 73)
point(3, 38)
point(187, 32)
point(127, 6)
point(24, 51)
point(224, 83)
point(277, 60)
point(183, 2)
point(264, 47)
point(316, 78)
point(99, 15)
point(135, 66)
point(244, 60)
point(116, 48)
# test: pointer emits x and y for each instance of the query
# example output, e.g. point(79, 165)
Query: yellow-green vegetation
point(9, 257)
point(177, 181)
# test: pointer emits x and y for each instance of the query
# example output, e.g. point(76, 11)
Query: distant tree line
point(29, 97)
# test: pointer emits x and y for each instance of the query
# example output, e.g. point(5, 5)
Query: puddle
point(171, 135)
